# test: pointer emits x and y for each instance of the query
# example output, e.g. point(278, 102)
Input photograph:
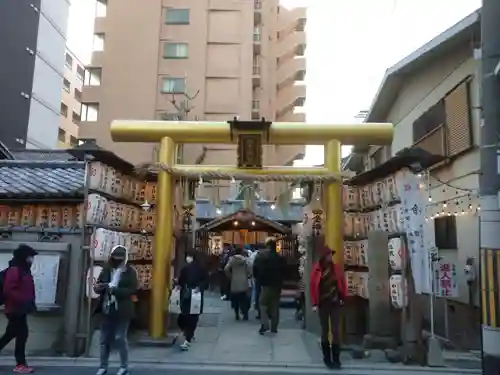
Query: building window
point(66, 85)
point(177, 16)
point(78, 95)
point(80, 73)
point(98, 44)
point(175, 50)
point(174, 85)
point(90, 112)
point(429, 121)
point(256, 34)
point(64, 110)
point(101, 8)
point(255, 105)
point(93, 77)
point(257, 4)
point(69, 61)
point(73, 141)
point(445, 232)
point(76, 118)
point(62, 135)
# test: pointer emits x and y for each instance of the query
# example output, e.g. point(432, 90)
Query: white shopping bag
point(174, 302)
point(195, 303)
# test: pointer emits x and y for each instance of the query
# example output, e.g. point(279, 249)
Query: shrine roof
point(21, 179)
point(292, 212)
point(244, 219)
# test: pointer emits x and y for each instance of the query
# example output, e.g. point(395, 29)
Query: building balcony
point(296, 114)
point(91, 94)
point(293, 19)
point(293, 69)
point(97, 58)
point(257, 43)
point(257, 12)
point(293, 44)
point(256, 76)
point(100, 25)
point(289, 97)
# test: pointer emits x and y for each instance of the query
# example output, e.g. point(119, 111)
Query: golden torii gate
point(252, 134)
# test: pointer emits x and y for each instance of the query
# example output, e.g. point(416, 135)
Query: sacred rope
point(242, 176)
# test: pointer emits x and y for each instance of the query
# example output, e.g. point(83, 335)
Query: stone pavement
point(224, 344)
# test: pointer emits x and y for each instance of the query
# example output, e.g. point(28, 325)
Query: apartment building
point(74, 74)
point(31, 71)
point(206, 60)
point(433, 99)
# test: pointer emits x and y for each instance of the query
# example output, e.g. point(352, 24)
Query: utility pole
point(489, 187)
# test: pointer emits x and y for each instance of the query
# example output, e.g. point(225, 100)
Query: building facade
point(197, 60)
point(32, 70)
point(432, 98)
point(74, 73)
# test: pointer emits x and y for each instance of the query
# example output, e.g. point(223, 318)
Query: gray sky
point(350, 45)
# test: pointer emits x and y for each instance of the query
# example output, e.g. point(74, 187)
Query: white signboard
point(45, 271)
point(445, 278)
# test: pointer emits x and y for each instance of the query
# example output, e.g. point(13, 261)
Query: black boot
point(336, 357)
point(327, 354)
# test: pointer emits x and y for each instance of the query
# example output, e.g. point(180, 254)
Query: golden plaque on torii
point(251, 136)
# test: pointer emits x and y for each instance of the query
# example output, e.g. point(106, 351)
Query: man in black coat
point(269, 270)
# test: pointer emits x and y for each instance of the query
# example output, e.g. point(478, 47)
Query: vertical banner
point(445, 276)
point(413, 203)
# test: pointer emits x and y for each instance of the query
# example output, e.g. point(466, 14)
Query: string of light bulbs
point(464, 201)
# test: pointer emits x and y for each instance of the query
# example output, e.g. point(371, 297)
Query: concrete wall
point(52, 330)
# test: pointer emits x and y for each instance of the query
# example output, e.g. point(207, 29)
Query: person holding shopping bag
point(192, 282)
point(328, 293)
point(117, 286)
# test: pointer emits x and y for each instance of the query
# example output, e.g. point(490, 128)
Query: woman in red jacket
point(328, 292)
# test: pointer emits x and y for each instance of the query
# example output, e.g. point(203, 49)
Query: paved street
point(223, 345)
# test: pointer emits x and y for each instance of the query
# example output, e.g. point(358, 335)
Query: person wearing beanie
point(116, 286)
point(19, 299)
point(328, 292)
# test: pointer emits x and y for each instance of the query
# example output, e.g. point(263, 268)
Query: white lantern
point(398, 291)
point(396, 253)
point(91, 280)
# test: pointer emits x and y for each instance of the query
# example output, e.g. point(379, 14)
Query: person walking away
point(18, 290)
point(328, 292)
point(269, 270)
point(116, 286)
point(256, 283)
point(227, 252)
point(192, 278)
point(239, 274)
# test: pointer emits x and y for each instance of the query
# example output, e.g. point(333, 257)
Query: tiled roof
point(41, 179)
point(42, 155)
point(205, 210)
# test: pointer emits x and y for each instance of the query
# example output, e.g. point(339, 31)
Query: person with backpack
point(117, 287)
point(18, 297)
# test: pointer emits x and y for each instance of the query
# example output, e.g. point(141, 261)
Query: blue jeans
point(114, 332)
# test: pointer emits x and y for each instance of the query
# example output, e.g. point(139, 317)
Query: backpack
point(2, 278)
